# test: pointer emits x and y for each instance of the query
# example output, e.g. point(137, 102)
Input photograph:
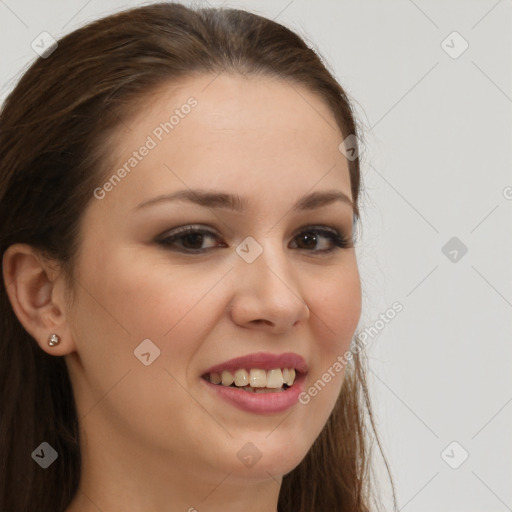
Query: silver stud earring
point(54, 340)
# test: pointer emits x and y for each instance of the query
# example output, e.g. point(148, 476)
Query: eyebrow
point(214, 199)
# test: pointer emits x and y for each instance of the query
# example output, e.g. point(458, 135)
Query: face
point(208, 296)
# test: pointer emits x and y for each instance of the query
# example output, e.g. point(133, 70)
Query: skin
point(154, 437)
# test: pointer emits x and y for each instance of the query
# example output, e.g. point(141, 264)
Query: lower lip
point(260, 403)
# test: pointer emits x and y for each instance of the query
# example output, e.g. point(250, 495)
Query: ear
point(36, 290)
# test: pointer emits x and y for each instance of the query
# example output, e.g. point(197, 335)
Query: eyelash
point(339, 240)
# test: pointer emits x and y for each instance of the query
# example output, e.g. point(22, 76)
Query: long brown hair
point(53, 153)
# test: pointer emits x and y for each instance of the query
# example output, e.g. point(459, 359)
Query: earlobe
point(31, 285)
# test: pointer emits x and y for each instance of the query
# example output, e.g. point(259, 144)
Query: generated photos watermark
point(157, 135)
point(343, 359)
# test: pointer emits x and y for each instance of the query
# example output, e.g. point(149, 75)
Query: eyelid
point(183, 230)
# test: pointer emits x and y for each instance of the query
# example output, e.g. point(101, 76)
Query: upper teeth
point(256, 378)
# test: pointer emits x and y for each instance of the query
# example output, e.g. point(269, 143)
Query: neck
point(118, 473)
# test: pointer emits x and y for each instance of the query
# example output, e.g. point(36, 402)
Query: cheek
point(138, 297)
point(335, 313)
point(336, 307)
point(122, 303)
point(147, 297)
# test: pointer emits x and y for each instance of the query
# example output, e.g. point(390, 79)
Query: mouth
point(261, 372)
point(255, 380)
point(260, 383)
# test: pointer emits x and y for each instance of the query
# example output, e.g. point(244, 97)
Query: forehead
point(229, 132)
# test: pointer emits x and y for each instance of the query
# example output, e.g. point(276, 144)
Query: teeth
point(291, 377)
point(215, 378)
point(227, 378)
point(262, 390)
point(275, 379)
point(258, 378)
point(255, 378)
point(241, 378)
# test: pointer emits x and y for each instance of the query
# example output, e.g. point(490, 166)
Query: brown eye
point(191, 240)
point(309, 240)
point(188, 239)
point(310, 237)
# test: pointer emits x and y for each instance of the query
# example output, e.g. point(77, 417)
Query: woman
point(180, 287)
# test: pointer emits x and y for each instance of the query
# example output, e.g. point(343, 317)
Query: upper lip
point(262, 360)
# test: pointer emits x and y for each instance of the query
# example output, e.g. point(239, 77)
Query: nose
point(266, 293)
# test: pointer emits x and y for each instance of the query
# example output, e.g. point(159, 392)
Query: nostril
point(260, 321)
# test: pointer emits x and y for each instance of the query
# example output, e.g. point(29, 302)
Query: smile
point(255, 380)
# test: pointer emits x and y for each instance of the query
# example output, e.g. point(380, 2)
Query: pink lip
point(262, 360)
point(260, 403)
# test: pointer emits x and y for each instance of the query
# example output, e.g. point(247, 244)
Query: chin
point(268, 459)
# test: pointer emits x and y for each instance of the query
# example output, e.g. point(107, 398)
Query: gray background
point(436, 165)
